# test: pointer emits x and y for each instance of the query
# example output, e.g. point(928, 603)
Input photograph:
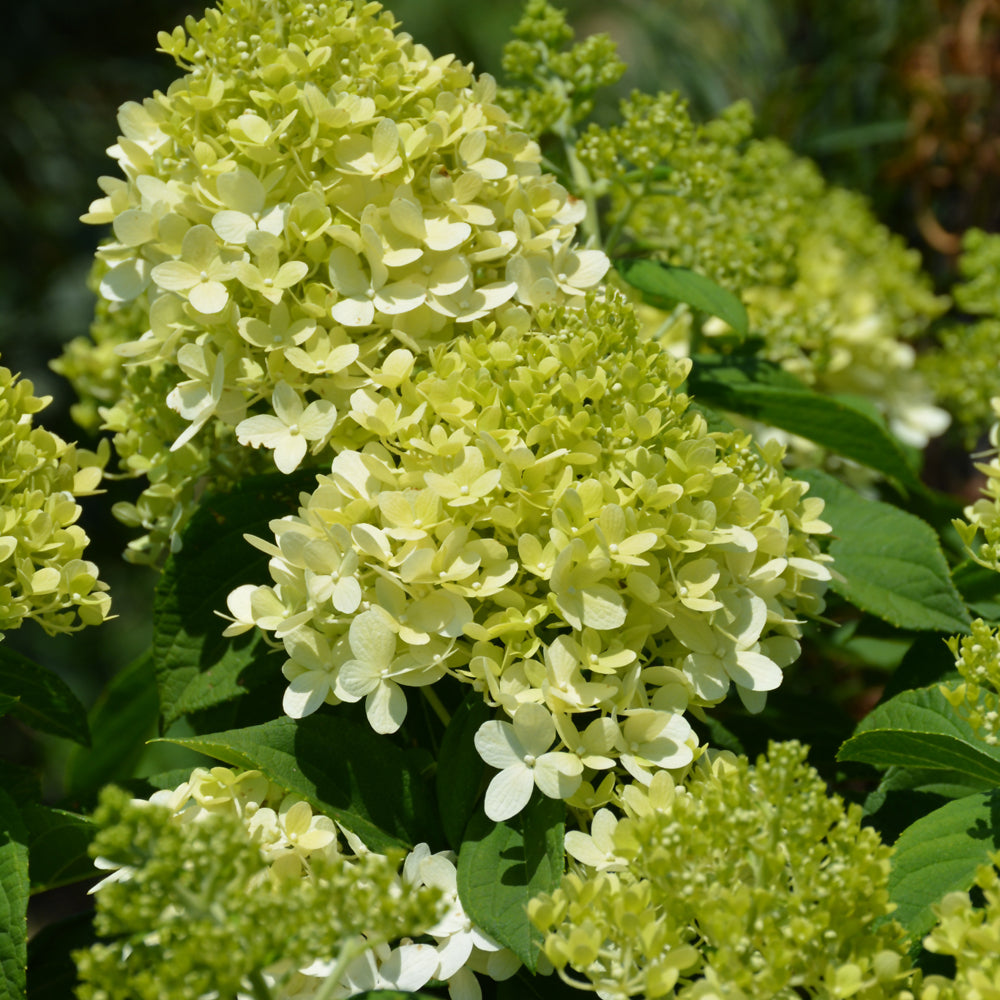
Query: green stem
point(258, 987)
point(591, 225)
point(616, 230)
point(435, 702)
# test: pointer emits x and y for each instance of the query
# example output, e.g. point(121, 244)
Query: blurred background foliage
point(897, 98)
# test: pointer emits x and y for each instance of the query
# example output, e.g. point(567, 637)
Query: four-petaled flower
point(201, 272)
point(288, 431)
point(521, 751)
point(376, 672)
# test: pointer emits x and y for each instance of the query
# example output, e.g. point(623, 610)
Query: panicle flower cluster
point(970, 934)
point(128, 401)
point(315, 191)
point(980, 529)
point(227, 877)
point(544, 517)
point(554, 84)
point(42, 573)
point(964, 371)
point(977, 697)
point(676, 909)
point(92, 363)
point(835, 296)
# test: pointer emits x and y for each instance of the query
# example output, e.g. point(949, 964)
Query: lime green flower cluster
point(543, 516)
point(128, 401)
point(977, 697)
point(316, 191)
point(749, 881)
point(700, 196)
point(92, 363)
point(969, 933)
point(227, 884)
point(835, 296)
point(963, 383)
point(42, 574)
point(980, 529)
point(554, 86)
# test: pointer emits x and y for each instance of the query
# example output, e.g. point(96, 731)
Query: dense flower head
point(545, 517)
point(836, 298)
point(977, 696)
point(316, 191)
point(92, 363)
point(128, 401)
point(43, 576)
point(554, 83)
point(969, 933)
point(229, 862)
point(677, 911)
point(964, 371)
point(980, 529)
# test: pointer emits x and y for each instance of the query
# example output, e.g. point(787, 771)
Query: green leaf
point(927, 661)
point(51, 969)
point(664, 285)
point(196, 667)
point(45, 702)
point(940, 854)
point(57, 844)
point(7, 702)
point(846, 425)
point(21, 783)
point(342, 768)
point(981, 589)
point(887, 562)
point(920, 729)
point(939, 782)
point(13, 899)
point(122, 720)
point(501, 866)
point(460, 769)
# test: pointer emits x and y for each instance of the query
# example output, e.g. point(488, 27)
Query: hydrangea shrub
point(467, 577)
